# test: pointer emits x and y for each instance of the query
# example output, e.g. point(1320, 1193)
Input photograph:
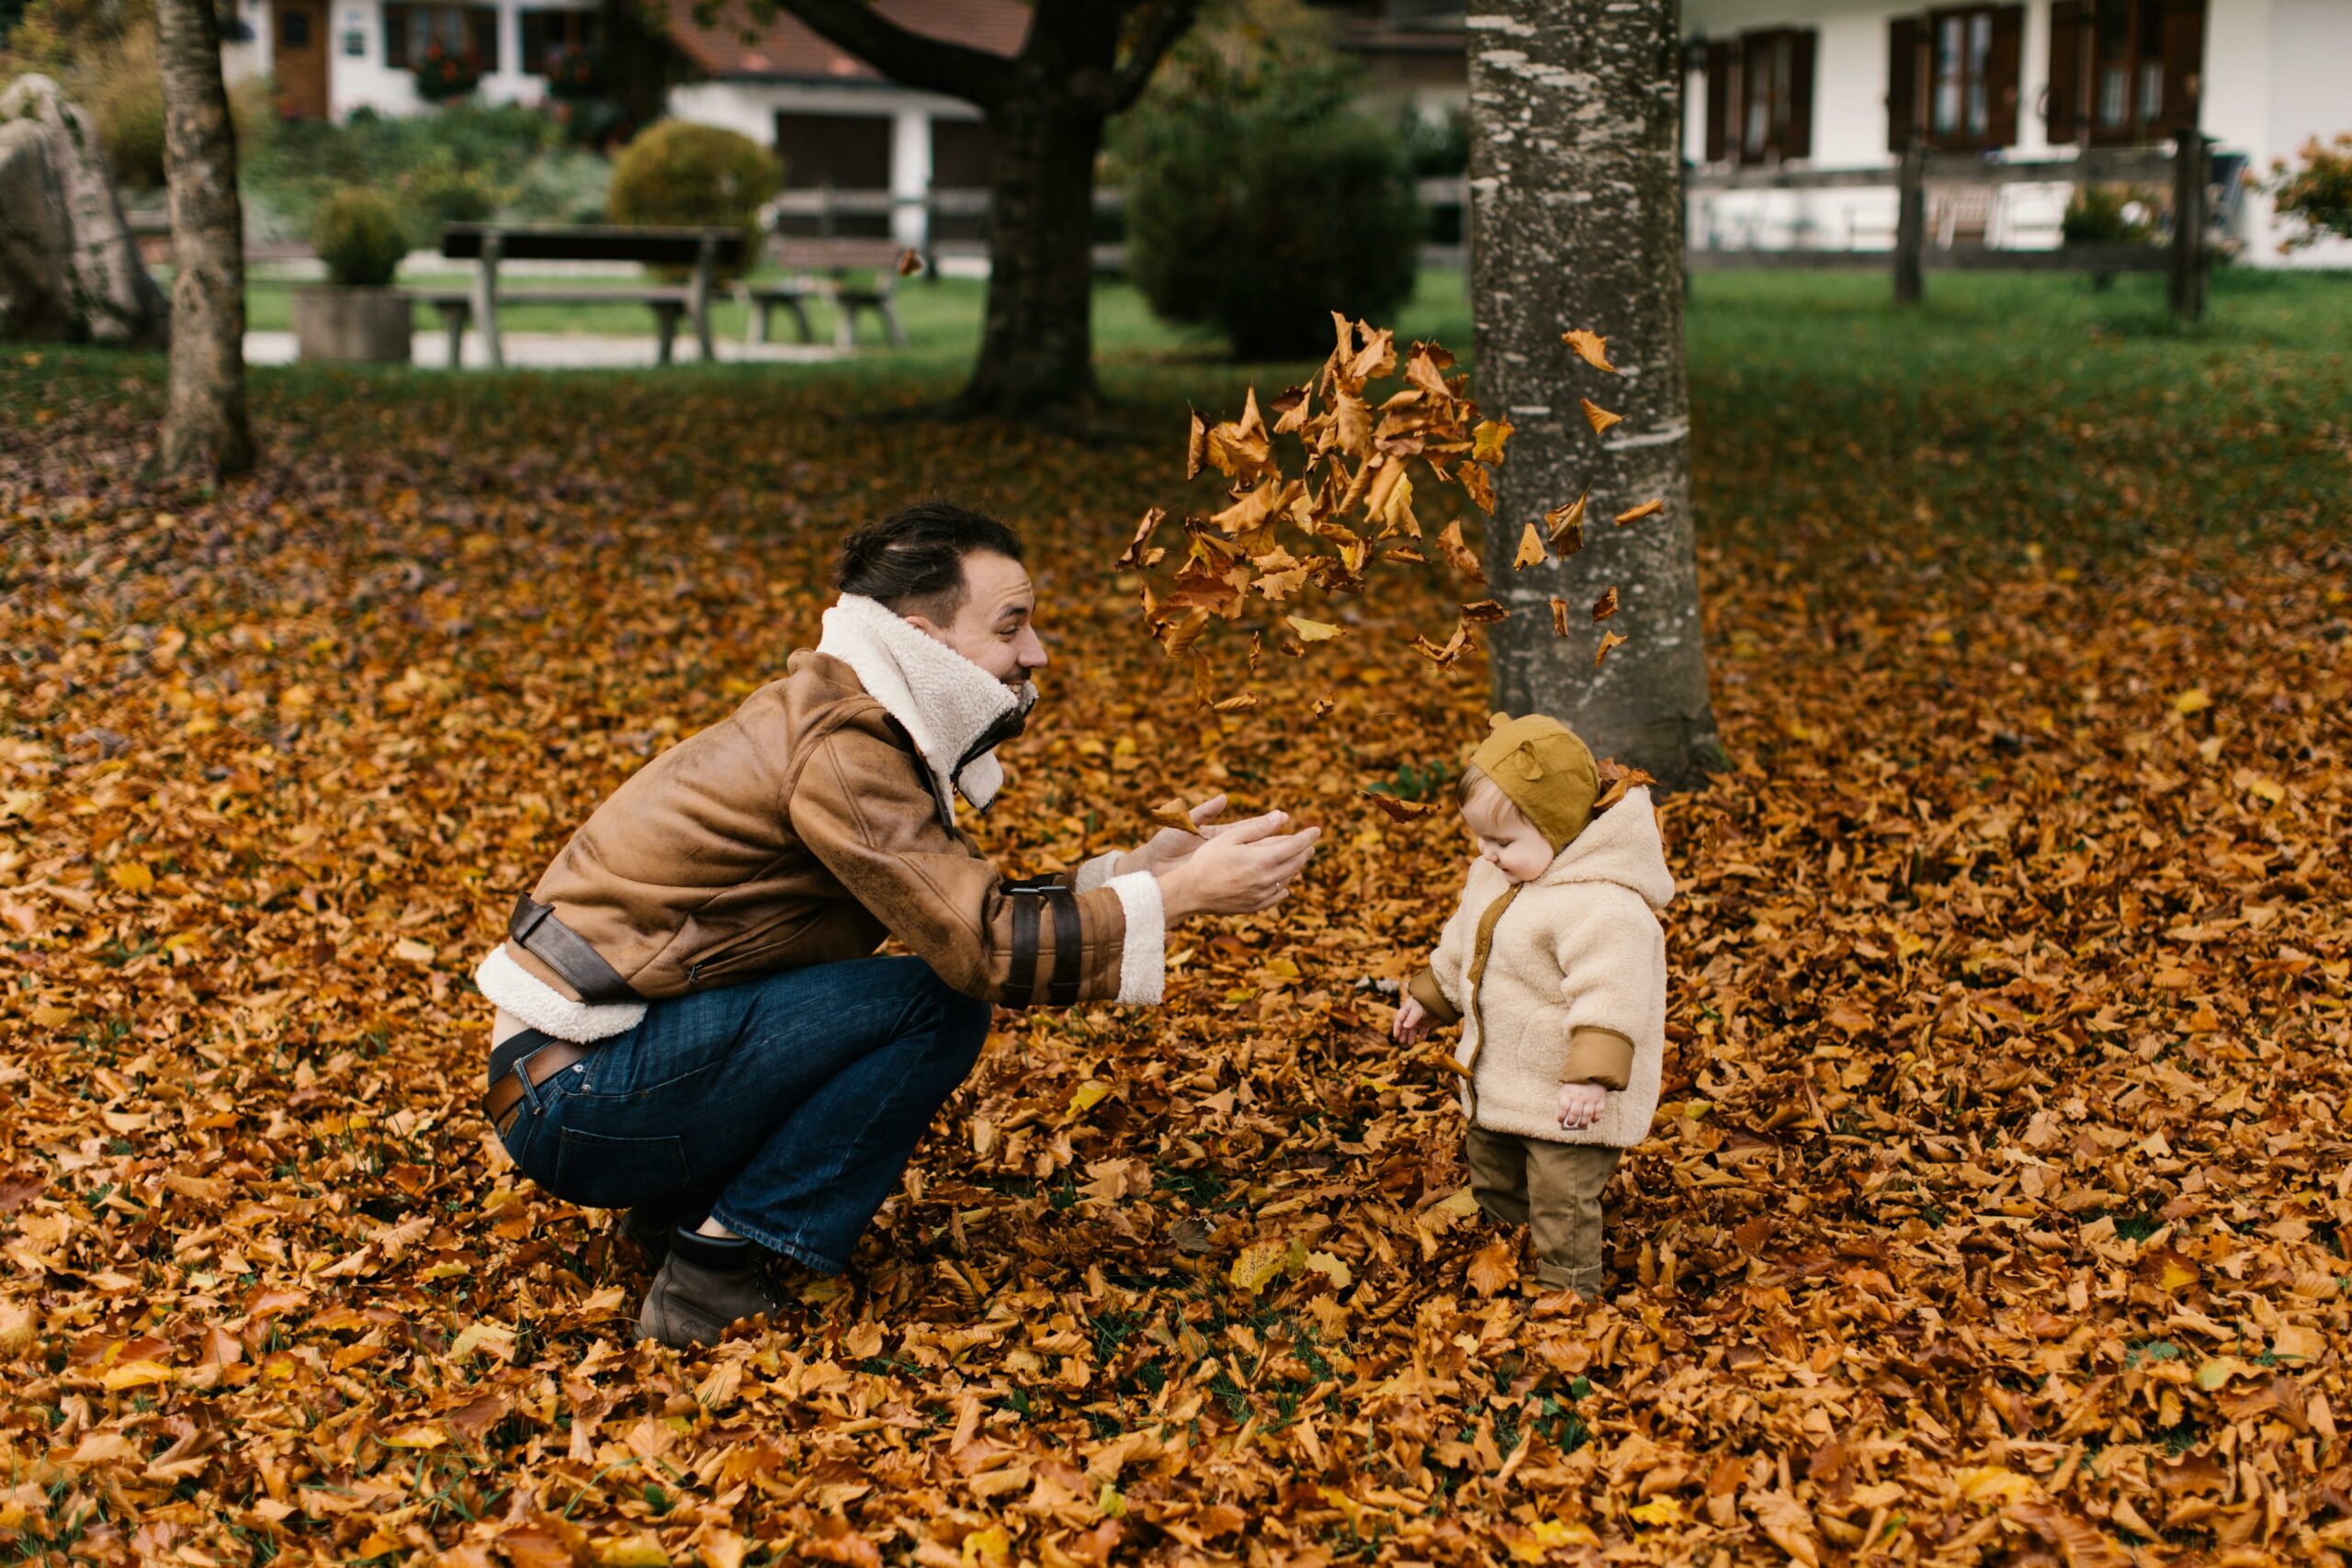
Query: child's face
point(1506, 839)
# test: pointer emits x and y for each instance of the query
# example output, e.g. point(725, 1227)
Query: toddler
point(1556, 966)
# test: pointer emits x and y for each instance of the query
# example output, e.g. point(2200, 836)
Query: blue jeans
point(785, 1108)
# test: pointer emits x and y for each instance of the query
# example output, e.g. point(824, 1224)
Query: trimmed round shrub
point(1259, 200)
point(358, 234)
point(680, 172)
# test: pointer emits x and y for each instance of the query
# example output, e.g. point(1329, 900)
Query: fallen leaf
point(1600, 417)
point(1591, 347)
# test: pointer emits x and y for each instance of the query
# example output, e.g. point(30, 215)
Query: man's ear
point(926, 625)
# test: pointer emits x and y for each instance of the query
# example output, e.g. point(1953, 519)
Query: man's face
point(994, 628)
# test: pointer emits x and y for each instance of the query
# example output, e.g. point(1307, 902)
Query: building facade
point(330, 57)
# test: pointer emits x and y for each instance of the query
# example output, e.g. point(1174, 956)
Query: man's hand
point(1412, 1021)
point(1170, 847)
point(1580, 1104)
point(1246, 868)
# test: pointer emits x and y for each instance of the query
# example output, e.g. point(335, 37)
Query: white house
point(1840, 84)
point(330, 57)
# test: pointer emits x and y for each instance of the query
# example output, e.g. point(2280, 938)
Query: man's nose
point(1031, 649)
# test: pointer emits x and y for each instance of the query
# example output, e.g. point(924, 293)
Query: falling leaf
point(1487, 441)
point(1312, 631)
point(1484, 612)
point(1600, 417)
point(1174, 813)
point(1197, 445)
point(1531, 549)
point(1607, 641)
point(1560, 617)
point(1449, 542)
point(1635, 514)
point(910, 262)
point(1399, 810)
point(1134, 554)
point(1591, 347)
point(1568, 526)
point(1606, 606)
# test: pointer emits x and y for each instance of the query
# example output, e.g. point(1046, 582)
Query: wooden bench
point(822, 269)
point(486, 245)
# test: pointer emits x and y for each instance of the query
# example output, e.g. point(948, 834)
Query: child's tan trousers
point(1553, 1188)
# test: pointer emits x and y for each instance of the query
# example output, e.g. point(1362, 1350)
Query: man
point(690, 1020)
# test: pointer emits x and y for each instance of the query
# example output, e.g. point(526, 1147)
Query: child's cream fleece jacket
point(1578, 952)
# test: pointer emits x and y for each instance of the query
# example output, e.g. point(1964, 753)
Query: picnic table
point(823, 268)
point(705, 250)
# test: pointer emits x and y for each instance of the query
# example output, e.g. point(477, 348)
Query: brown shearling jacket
point(803, 829)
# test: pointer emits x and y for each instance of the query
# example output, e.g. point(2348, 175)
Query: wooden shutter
point(2184, 65)
point(1798, 143)
point(396, 35)
point(1902, 35)
point(1722, 64)
point(2003, 67)
point(481, 35)
point(534, 41)
point(2063, 101)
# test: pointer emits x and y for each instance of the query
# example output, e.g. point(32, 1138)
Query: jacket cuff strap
point(1598, 1055)
point(1143, 952)
point(1423, 989)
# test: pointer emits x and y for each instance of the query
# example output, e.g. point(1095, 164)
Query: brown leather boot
point(692, 1303)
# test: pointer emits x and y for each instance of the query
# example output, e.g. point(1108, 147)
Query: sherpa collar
point(947, 702)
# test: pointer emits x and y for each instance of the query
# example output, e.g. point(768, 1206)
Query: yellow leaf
point(1607, 641)
point(2267, 789)
point(1312, 631)
point(1260, 1264)
point(417, 1436)
point(52, 1017)
point(136, 1374)
point(411, 950)
point(1591, 347)
point(1174, 813)
point(2219, 1371)
point(632, 1552)
point(1635, 514)
point(1554, 1533)
point(131, 876)
point(1568, 526)
point(1994, 1484)
point(1600, 417)
point(1460, 1203)
point(1487, 441)
point(1656, 1511)
point(1333, 1267)
point(2177, 1275)
point(1088, 1095)
point(987, 1548)
point(1531, 549)
point(2194, 700)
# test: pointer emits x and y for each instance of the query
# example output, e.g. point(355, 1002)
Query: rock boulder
point(109, 297)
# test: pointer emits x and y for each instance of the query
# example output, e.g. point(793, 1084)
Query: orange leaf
point(1606, 606)
point(1634, 514)
point(1591, 347)
point(1496, 1267)
point(1568, 526)
point(1531, 549)
point(1560, 617)
point(1400, 810)
point(1601, 418)
point(1607, 641)
point(1465, 562)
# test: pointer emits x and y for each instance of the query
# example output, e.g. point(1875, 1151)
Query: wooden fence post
point(2189, 176)
point(1911, 224)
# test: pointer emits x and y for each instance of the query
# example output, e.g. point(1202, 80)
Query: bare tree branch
point(903, 55)
point(1157, 34)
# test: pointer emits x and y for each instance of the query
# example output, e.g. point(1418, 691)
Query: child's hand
point(1580, 1104)
point(1412, 1021)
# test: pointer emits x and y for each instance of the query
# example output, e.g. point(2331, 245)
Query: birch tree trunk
point(204, 418)
point(1576, 223)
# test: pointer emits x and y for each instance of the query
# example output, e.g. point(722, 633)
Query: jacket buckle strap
point(536, 926)
point(1021, 978)
point(1067, 944)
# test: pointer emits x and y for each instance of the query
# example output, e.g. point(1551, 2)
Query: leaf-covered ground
point(1996, 1212)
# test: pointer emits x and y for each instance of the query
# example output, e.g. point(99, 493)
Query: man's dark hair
point(912, 560)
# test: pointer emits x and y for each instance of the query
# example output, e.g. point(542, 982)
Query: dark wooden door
point(299, 58)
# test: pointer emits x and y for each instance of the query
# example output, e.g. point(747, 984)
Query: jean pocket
point(596, 1171)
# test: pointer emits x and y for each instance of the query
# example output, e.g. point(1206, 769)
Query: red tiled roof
point(789, 50)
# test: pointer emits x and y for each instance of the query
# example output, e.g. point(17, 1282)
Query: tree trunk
point(204, 419)
point(1038, 337)
point(1576, 223)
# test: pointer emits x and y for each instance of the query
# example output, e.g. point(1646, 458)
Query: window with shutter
point(396, 36)
point(1722, 93)
point(1798, 140)
point(2070, 23)
point(482, 36)
point(1904, 40)
point(1964, 78)
point(534, 30)
point(2145, 70)
point(2005, 68)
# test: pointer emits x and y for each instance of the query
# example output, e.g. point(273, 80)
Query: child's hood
point(1621, 845)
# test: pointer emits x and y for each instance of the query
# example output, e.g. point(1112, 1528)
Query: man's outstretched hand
point(1246, 867)
point(1172, 847)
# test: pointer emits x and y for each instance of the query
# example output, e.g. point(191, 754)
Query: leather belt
point(502, 1101)
point(565, 950)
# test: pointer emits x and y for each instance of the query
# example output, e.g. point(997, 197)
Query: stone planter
point(353, 326)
